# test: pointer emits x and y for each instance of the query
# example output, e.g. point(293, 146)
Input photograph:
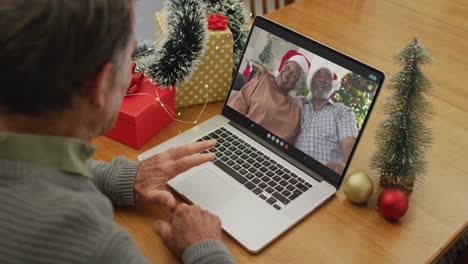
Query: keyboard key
point(245, 157)
point(230, 163)
point(286, 176)
point(228, 153)
point(283, 183)
point(270, 174)
point(241, 147)
point(269, 190)
point(290, 188)
point(277, 207)
point(245, 165)
point(266, 163)
point(294, 175)
point(277, 178)
point(301, 180)
point(271, 200)
point(236, 167)
point(249, 185)
point(262, 196)
point(256, 180)
point(254, 155)
point(230, 172)
point(240, 161)
point(308, 184)
point(273, 168)
point(293, 181)
point(224, 158)
point(272, 183)
point(265, 179)
point(248, 151)
point(279, 188)
point(234, 157)
point(257, 191)
point(221, 149)
point(258, 174)
point(257, 165)
point(295, 194)
point(249, 176)
point(280, 172)
point(252, 170)
point(260, 159)
point(251, 161)
point(286, 193)
point(301, 187)
point(243, 172)
point(238, 152)
point(280, 197)
point(220, 140)
point(262, 185)
point(206, 138)
point(263, 169)
point(287, 171)
point(274, 162)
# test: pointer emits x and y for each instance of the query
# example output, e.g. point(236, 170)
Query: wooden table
point(340, 232)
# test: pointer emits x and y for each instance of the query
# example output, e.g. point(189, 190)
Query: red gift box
point(141, 115)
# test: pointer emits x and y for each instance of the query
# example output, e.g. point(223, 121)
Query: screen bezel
point(327, 53)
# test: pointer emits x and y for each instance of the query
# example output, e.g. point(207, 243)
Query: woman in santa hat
point(265, 98)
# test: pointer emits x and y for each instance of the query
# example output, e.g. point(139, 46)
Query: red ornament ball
point(393, 204)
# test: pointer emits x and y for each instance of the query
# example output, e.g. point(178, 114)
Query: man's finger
point(163, 229)
point(189, 162)
point(191, 148)
point(160, 197)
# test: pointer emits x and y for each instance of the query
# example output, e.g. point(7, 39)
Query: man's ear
point(98, 88)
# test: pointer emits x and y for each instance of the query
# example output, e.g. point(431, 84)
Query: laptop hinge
point(283, 155)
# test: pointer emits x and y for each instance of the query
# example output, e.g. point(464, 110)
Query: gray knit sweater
point(54, 210)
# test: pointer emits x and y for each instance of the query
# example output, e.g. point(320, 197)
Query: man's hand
point(154, 172)
point(188, 225)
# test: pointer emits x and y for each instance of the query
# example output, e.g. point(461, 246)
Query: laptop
point(261, 185)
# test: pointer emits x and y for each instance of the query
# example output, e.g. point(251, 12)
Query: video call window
point(307, 101)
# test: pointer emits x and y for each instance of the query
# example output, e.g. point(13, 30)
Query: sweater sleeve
point(115, 179)
point(241, 101)
point(117, 247)
point(207, 252)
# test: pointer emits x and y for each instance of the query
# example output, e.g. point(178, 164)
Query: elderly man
point(265, 99)
point(65, 71)
point(328, 129)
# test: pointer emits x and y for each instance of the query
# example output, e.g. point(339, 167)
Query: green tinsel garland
point(187, 34)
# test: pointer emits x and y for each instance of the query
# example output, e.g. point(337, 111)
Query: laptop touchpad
point(207, 189)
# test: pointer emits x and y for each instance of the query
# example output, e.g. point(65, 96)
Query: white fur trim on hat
point(301, 61)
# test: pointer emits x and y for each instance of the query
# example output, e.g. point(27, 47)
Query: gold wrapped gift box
point(211, 79)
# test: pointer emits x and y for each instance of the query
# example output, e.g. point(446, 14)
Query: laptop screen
point(306, 100)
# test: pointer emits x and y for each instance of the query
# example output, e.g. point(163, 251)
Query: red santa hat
point(335, 85)
point(296, 56)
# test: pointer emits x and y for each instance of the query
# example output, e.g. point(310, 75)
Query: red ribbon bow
point(137, 79)
point(217, 22)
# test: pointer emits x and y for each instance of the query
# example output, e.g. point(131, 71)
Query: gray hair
point(51, 49)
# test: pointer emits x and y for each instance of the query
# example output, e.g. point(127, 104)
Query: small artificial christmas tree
point(403, 136)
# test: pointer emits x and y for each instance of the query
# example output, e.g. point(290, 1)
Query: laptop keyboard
point(263, 176)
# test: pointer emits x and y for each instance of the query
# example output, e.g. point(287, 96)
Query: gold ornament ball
point(358, 187)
